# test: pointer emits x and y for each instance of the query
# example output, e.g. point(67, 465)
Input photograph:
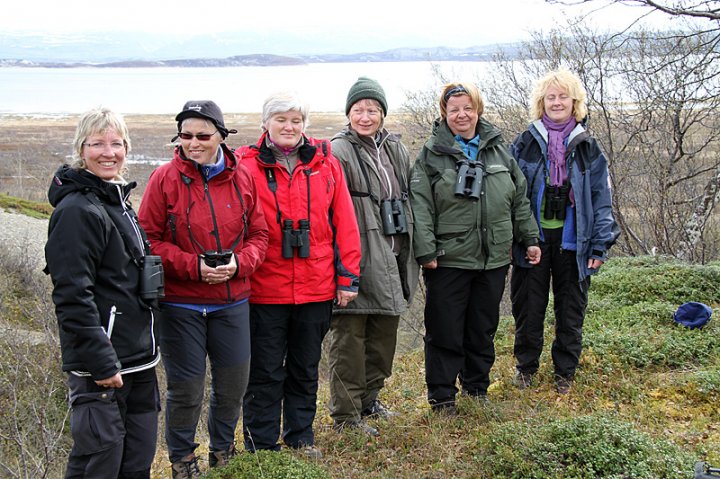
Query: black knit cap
point(365, 88)
point(207, 110)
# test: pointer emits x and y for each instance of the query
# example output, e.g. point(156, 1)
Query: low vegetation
point(644, 404)
point(34, 209)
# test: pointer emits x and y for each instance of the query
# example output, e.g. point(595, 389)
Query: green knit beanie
point(364, 88)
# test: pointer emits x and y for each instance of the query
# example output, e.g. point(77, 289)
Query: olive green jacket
point(387, 282)
point(460, 232)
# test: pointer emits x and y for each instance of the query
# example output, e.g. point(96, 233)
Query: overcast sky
point(338, 25)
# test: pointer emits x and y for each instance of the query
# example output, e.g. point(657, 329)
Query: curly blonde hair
point(565, 80)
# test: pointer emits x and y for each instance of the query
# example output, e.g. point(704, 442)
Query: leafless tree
point(705, 9)
point(654, 100)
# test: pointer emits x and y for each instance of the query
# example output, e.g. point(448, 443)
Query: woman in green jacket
point(468, 198)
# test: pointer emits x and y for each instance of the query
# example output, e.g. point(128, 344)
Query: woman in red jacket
point(313, 259)
point(202, 217)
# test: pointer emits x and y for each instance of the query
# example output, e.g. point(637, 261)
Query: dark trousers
point(362, 348)
point(187, 337)
point(286, 349)
point(529, 292)
point(462, 311)
point(114, 430)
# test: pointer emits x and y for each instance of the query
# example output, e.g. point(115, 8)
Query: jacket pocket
point(451, 238)
point(95, 422)
point(502, 232)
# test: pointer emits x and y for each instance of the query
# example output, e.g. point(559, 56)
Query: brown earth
point(32, 147)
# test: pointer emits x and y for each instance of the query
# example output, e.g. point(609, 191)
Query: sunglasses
point(199, 136)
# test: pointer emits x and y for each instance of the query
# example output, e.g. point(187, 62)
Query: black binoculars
point(394, 221)
point(217, 258)
point(152, 278)
point(296, 239)
point(469, 181)
point(556, 198)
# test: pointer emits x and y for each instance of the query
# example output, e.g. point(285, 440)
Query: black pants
point(462, 311)
point(530, 290)
point(188, 339)
point(286, 344)
point(114, 430)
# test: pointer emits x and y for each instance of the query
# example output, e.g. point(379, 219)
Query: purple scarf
point(557, 132)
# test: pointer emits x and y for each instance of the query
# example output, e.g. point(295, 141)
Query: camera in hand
point(293, 239)
point(556, 199)
point(469, 181)
point(394, 221)
point(152, 278)
point(217, 258)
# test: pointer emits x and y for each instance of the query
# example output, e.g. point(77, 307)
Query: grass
point(34, 209)
point(644, 404)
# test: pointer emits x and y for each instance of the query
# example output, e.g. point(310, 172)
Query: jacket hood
point(69, 180)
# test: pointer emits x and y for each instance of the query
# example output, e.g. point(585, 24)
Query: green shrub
point(627, 281)
point(644, 334)
point(268, 465)
point(594, 446)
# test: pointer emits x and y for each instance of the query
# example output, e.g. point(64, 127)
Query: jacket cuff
point(199, 271)
point(426, 258)
point(530, 242)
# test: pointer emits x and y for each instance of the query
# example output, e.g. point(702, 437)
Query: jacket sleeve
point(76, 245)
point(347, 235)
point(423, 206)
point(251, 253)
point(605, 230)
point(525, 228)
point(153, 217)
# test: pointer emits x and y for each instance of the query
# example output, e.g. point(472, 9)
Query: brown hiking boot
point(221, 458)
point(186, 468)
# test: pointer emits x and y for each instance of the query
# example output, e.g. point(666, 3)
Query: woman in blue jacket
point(569, 191)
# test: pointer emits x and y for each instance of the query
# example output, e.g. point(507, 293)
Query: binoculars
point(296, 239)
point(217, 258)
point(152, 278)
point(469, 181)
point(394, 221)
point(556, 199)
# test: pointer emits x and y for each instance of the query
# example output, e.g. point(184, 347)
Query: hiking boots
point(221, 458)
point(522, 380)
point(377, 409)
point(186, 468)
point(563, 384)
point(446, 408)
point(312, 452)
point(360, 426)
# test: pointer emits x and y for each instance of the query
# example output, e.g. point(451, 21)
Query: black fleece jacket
point(94, 254)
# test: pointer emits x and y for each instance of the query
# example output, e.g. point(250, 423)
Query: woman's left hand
point(532, 254)
point(342, 298)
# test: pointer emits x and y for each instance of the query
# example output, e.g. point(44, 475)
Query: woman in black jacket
point(104, 287)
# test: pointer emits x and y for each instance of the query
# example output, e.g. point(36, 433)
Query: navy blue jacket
point(590, 228)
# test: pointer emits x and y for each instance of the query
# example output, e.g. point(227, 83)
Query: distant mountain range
point(146, 50)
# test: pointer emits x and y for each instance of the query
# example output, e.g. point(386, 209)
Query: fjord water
point(163, 90)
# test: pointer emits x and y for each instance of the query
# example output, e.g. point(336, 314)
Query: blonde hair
point(283, 102)
point(461, 88)
point(565, 80)
point(98, 120)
